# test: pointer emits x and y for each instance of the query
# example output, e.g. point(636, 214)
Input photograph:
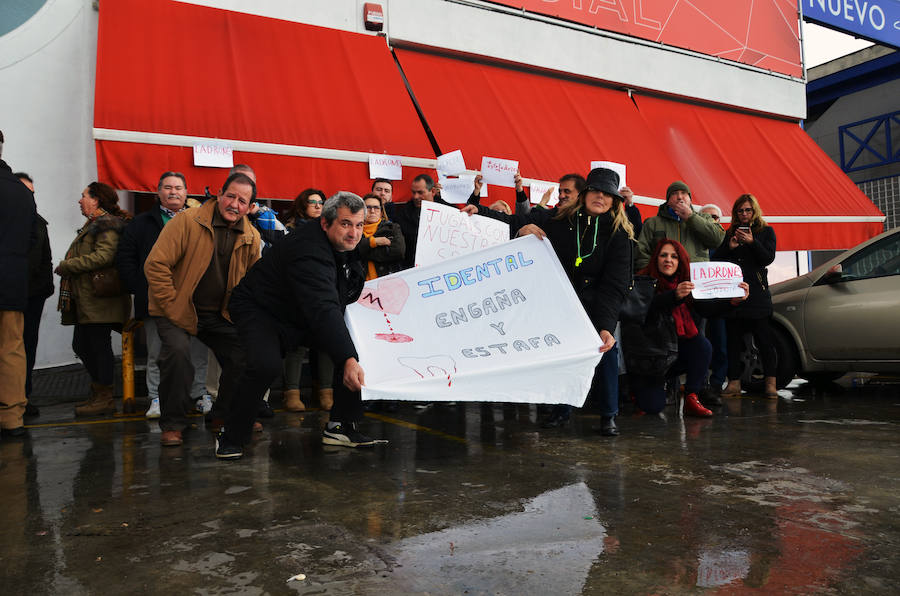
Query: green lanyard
point(580, 259)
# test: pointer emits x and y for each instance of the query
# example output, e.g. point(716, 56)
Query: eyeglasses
point(714, 216)
point(373, 207)
point(315, 202)
point(745, 210)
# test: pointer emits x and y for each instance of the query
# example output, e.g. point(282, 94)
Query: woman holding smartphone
point(750, 243)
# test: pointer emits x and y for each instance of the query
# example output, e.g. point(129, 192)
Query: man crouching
point(295, 296)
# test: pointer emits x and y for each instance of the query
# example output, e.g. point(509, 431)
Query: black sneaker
point(226, 450)
point(346, 435)
point(264, 410)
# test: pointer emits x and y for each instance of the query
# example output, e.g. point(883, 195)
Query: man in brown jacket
point(199, 258)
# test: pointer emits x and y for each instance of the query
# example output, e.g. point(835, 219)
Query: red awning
point(721, 154)
point(181, 69)
point(552, 126)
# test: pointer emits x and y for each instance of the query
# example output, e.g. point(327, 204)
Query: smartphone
point(744, 229)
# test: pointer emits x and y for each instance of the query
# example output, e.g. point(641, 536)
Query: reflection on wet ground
point(794, 496)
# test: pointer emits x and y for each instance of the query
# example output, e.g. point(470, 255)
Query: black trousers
point(261, 337)
point(92, 343)
point(176, 371)
point(765, 342)
point(32, 325)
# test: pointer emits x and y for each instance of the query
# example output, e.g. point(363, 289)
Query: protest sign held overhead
point(714, 279)
point(446, 232)
point(213, 155)
point(477, 328)
point(539, 187)
point(457, 190)
point(451, 164)
point(385, 166)
point(618, 168)
point(501, 172)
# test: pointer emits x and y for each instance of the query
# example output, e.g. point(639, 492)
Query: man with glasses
point(676, 220)
point(199, 258)
point(135, 244)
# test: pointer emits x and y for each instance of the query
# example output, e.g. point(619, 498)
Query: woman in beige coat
point(90, 296)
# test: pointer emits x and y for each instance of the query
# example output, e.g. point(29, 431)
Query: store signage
point(877, 20)
point(764, 34)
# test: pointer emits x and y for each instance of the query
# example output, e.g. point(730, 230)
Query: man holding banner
point(296, 296)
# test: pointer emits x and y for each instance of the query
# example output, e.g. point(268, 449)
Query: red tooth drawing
point(387, 296)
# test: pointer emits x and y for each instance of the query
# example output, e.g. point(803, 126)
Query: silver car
point(843, 316)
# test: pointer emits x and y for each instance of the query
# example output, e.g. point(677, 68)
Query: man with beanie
point(676, 220)
point(296, 296)
point(19, 233)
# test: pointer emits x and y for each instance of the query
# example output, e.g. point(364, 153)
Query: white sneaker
point(153, 410)
point(204, 404)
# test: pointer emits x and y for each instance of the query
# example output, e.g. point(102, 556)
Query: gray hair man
point(295, 296)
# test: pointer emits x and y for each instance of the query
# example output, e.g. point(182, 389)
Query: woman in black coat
point(750, 243)
point(591, 237)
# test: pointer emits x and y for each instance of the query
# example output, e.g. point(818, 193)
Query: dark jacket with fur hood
point(93, 249)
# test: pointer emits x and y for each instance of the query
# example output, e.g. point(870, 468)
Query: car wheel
point(752, 378)
point(787, 362)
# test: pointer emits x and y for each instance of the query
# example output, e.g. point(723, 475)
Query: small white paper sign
point(618, 168)
point(385, 166)
point(446, 232)
point(213, 155)
point(539, 187)
point(501, 172)
point(457, 190)
point(451, 164)
point(716, 279)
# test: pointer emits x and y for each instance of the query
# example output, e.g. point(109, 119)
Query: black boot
point(608, 426)
point(558, 418)
point(710, 397)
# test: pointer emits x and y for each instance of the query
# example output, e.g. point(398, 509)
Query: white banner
point(385, 166)
point(501, 172)
point(502, 324)
point(618, 168)
point(714, 279)
point(213, 155)
point(446, 232)
point(451, 164)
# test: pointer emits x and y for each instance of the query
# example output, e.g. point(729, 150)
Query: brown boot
point(291, 400)
point(94, 388)
point(771, 388)
point(101, 402)
point(732, 389)
point(326, 399)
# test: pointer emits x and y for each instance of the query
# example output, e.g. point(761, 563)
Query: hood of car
point(796, 283)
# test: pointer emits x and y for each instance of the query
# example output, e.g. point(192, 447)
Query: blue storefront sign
point(876, 20)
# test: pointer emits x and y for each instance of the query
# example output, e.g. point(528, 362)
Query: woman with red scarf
point(670, 266)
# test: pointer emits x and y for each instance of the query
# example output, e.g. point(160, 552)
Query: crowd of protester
point(233, 296)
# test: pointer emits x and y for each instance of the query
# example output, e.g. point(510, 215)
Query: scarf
point(369, 232)
point(684, 322)
point(66, 289)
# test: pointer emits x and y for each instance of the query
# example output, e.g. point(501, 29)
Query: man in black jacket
point(135, 244)
point(295, 295)
point(40, 287)
point(19, 234)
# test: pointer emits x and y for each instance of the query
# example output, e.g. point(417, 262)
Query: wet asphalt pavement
point(796, 496)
